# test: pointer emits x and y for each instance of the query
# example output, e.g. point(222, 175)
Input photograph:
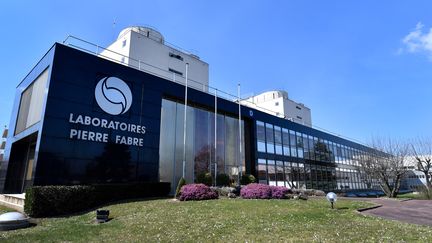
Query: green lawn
point(224, 220)
point(419, 196)
point(409, 196)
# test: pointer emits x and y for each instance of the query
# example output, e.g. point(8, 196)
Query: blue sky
point(363, 67)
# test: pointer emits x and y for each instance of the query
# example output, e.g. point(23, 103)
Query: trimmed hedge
point(42, 201)
point(204, 178)
point(247, 179)
point(222, 180)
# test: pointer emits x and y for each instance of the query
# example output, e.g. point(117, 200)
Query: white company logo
point(113, 95)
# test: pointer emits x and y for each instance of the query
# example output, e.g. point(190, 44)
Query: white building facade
point(277, 103)
point(145, 48)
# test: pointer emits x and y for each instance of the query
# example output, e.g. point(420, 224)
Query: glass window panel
point(288, 175)
point(311, 148)
point(262, 171)
point(261, 136)
point(299, 144)
point(285, 141)
point(270, 138)
point(271, 168)
point(21, 124)
point(280, 173)
point(301, 176)
point(167, 141)
point(295, 174)
point(293, 146)
point(31, 103)
point(220, 144)
point(306, 146)
point(278, 140)
point(203, 142)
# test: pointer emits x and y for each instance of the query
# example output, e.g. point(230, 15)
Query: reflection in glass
point(285, 141)
point(261, 137)
point(299, 144)
point(278, 139)
point(270, 138)
point(293, 142)
point(262, 171)
point(271, 168)
point(200, 152)
point(280, 173)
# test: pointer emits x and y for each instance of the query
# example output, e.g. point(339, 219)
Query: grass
point(419, 196)
point(224, 220)
point(410, 196)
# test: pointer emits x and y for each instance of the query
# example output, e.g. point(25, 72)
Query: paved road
point(411, 211)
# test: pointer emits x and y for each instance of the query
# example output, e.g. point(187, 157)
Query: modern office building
point(277, 103)
point(82, 118)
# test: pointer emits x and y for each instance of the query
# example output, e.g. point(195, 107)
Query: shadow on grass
point(102, 206)
point(342, 208)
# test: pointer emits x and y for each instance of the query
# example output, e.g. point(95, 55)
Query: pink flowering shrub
point(261, 191)
point(196, 192)
point(256, 191)
point(278, 192)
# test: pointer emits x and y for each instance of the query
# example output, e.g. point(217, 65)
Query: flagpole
point(184, 122)
point(215, 138)
point(240, 130)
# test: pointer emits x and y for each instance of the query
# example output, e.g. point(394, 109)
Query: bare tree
point(385, 164)
point(422, 151)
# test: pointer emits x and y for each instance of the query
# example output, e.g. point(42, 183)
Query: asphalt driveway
point(410, 211)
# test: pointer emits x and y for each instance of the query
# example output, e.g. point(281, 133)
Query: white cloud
point(418, 41)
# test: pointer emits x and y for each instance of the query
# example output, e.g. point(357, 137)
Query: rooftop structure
point(277, 102)
point(145, 48)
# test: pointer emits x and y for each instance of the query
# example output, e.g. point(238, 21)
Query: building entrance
point(20, 171)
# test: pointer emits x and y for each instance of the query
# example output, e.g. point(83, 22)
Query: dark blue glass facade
point(275, 150)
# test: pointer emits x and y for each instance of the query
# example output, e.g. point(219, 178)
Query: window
point(122, 59)
point(298, 107)
point(280, 173)
point(270, 138)
point(293, 141)
point(176, 56)
point(299, 144)
point(285, 141)
point(306, 146)
point(262, 171)
point(124, 43)
point(271, 169)
point(30, 109)
point(298, 117)
point(277, 104)
point(278, 140)
point(175, 71)
point(261, 137)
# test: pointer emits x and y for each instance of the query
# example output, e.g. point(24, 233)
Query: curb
point(406, 199)
point(368, 208)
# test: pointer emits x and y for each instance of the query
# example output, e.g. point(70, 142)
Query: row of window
point(281, 141)
point(415, 176)
point(303, 175)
